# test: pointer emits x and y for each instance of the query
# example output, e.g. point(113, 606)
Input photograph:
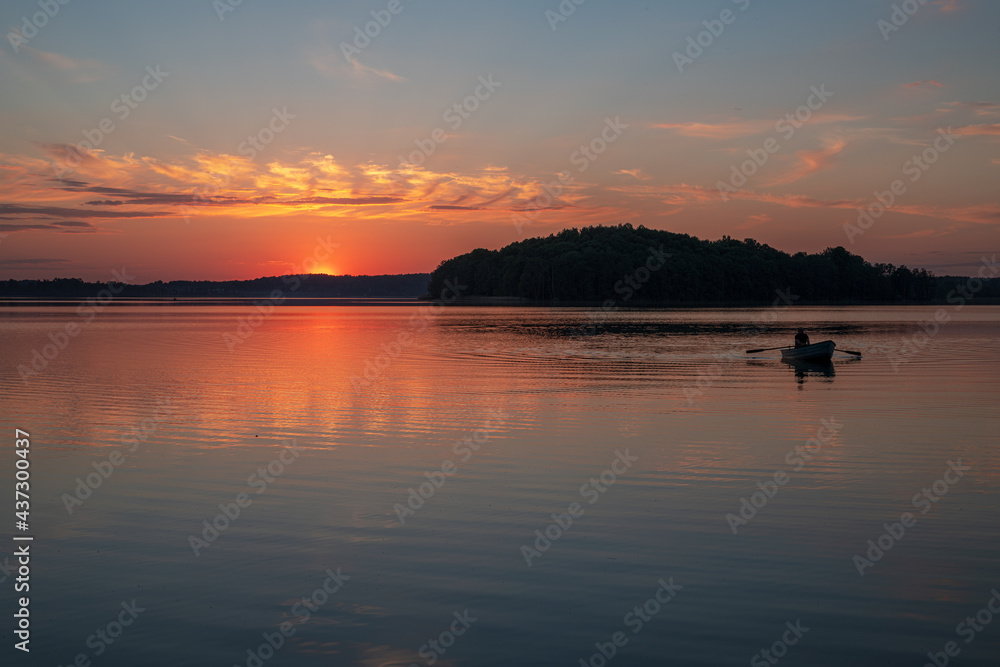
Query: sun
point(327, 269)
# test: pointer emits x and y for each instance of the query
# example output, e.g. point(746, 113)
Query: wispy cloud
point(634, 173)
point(733, 128)
point(810, 162)
point(363, 71)
point(728, 129)
point(979, 130)
point(980, 108)
point(947, 6)
point(79, 70)
point(332, 63)
point(60, 211)
point(918, 84)
point(33, 261)
point(947, 112)
point(61, 226)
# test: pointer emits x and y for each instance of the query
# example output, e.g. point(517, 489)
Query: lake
point(399, 485)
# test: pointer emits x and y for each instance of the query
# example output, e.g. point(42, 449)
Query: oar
point(857, 354)
point(768, 349)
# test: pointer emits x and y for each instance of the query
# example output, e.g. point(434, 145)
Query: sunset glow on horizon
point(189, 142)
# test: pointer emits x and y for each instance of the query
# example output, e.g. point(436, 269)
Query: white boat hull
point(816, 352)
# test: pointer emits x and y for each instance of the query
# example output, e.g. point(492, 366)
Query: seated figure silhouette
point(801, 339)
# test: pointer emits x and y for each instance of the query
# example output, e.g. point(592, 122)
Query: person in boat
point(801, 338)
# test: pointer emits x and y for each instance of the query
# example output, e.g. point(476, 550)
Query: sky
point(213, 140)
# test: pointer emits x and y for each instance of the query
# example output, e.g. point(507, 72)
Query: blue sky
point(354, 118)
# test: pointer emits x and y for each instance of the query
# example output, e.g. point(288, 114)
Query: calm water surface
point(521, 413)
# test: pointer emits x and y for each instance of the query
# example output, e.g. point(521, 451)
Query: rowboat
point(815, 352)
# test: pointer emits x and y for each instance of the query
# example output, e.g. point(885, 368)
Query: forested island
point(647, 266)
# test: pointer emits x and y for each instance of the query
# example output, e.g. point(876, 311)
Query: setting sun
point(324, 269)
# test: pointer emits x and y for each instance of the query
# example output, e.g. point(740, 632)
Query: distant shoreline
point(211, 301)
point(467, 302)
point(638, 304)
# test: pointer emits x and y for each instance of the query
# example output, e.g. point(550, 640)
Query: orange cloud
point(980, 108)
point(634, 173)
point(733, 128)
point(932, 82)
point(947, 6)
point(811, 162)
point(68, 182)
point(722, 130)
point(979, 130)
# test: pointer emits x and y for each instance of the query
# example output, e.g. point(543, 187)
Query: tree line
point(409, 285)
point(598, 263)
